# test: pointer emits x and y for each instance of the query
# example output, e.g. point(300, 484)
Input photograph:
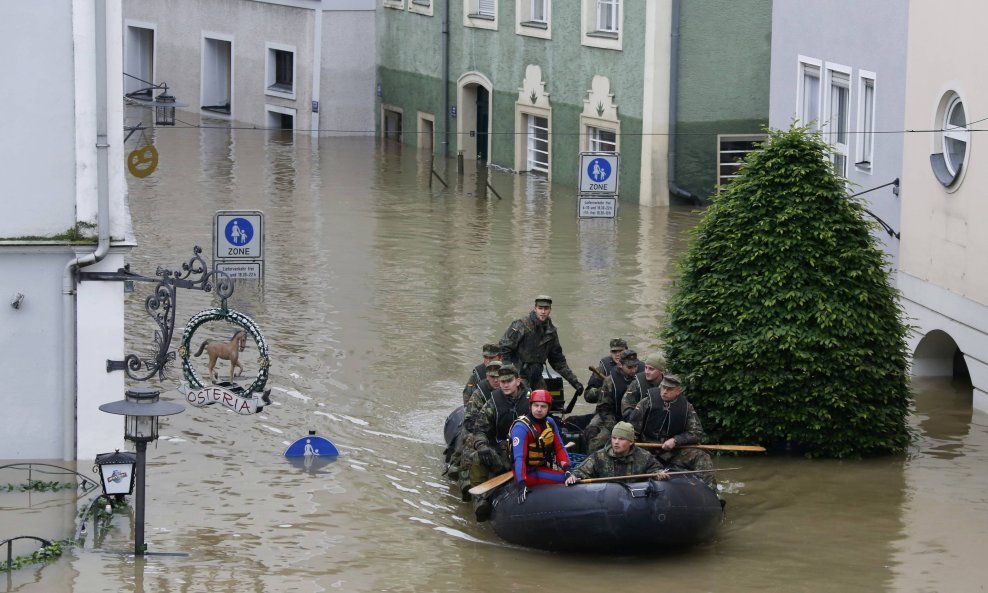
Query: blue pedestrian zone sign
point(239, 231)
point(238, 235)
point(312, 446)
point(599, 173)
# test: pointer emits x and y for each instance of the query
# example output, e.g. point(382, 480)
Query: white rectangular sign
point(599, 173)
point(598, 207)
point(238, 234)
point(240, 270)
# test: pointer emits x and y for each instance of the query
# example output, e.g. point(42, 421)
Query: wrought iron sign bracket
point(160, 305)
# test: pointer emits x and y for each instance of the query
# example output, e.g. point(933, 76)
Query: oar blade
point(491, 484)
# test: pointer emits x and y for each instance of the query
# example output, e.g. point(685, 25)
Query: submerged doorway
point(473, 120)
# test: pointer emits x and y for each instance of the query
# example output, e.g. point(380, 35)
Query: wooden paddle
point(755, 448)
point(497, 480)
point(637, 476)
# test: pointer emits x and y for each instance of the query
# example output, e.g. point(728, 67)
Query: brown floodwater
point(378, 294)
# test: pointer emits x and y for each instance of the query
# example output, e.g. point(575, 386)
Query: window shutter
point(486, 7)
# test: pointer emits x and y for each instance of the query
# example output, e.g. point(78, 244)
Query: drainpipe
point(444, 48)
point(102, 247)
point(674, 188)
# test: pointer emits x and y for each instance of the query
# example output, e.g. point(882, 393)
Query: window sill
point(282, 92)
point(425, 3)
point(535, 24)
point(604, 34)
point(224, 109)
point(481, 17)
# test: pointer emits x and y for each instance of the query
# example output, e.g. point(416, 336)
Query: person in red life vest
point(536, 444)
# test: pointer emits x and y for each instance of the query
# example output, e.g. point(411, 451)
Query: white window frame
point(135, 55)
point(837, 76)
point(949, 172)
point(532, 140)
point(593, 35)
point(867, 108)
point(396, 4)
point(597, 144)
point(271, 69)
point(480, 14)
point(423, 7)
point(282, 110)
point(732, 158)
point(204, 69)
point(525, 22)
point(807, 66)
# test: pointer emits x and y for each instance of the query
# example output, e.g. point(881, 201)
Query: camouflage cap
point(629, 356)
point(508, 370)
point(493, 367)
point(656, 360)
point(618, 345)
point(544, 300)
point(624, 430)
point(492, 350)
point(670, 381)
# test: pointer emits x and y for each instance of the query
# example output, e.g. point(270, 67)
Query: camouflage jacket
point(610, 399)
point(478, 374)
point(634, 394)
point(605, 464)
point(481, 424)
point(652, 405)
point(528, 344)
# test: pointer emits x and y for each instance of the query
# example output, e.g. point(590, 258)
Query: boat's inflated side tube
point(635, 516)
point(453, 423)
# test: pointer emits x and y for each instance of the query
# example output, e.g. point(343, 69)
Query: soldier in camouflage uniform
point(596, 381)
point(490, 352)
point(665, 416)
point(655, 366)
point(530, 341)
point(459, 470)
point(489, 453)
point(620, 458)
point(599, 430)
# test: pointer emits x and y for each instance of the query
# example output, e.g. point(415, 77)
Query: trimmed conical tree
point(783, 321)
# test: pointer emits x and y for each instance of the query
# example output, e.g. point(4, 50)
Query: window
point(399, 4)
point(866, 122)
point(838, 113)
point(423, 7)
point(809, 94)
point(481, 14)
point(731, 152)
point(601, 23)
point(951, 140)
point(538, 144)
point(601, 140)
point(533, 18)
point(280, 71)
point(139, 60)
point(217, 75)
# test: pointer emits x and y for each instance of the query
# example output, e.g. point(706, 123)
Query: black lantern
point(116, 471)
point(164, 107)
point(141, 409)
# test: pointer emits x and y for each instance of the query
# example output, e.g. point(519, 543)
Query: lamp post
point(141, 408)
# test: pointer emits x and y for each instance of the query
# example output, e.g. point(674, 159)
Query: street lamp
point(116, 471)
point(141, 409)
point(164, 104)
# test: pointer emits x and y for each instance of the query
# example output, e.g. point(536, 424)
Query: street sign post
point(238, 243)
point(599, 173)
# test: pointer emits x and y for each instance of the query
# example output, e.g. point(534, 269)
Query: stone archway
point(938, 355)
point(474, 94)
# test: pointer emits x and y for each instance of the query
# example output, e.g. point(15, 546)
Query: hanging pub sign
point(224, 362)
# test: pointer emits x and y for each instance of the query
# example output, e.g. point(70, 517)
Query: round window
point(953, 137)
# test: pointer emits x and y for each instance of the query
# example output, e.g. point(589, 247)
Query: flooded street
point(379, 292)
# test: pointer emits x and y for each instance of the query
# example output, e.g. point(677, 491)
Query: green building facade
point(529, 84)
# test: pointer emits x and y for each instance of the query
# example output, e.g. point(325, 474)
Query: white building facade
point(64, 211)
point(833, 73)
point(306, 65)
point(942, 274)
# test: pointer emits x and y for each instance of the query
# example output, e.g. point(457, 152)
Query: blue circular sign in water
point(599, 170)
point(239, 231)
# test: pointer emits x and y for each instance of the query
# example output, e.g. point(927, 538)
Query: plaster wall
point(942, 276)
point(840, 32)
point(348, 77)
point(37, 156)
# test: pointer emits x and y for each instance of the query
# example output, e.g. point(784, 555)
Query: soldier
point(489, 455)
point(490, 352)
point(536, 445)
point(530, 341)
point(599, 430)
point(461, 472)
point(655, 366)
point(620, 458)
point(667, 417)
point(596, 381)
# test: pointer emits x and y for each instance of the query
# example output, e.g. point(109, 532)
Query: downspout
point(102, 247)
point(444, 48)
point(674, 188)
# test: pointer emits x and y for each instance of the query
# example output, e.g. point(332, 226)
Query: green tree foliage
point(784, 323)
